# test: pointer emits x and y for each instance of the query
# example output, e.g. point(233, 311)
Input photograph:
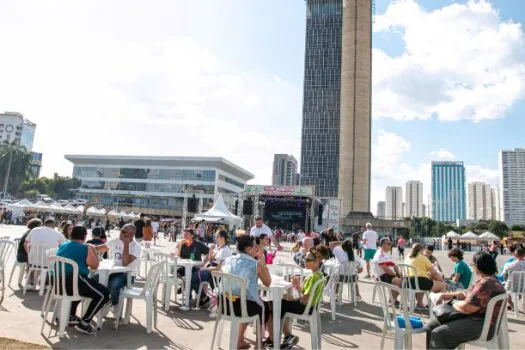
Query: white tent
point(24, 203)
point(113, 213)
point(56, 208)
point(452, 234)
point(92, 211)
point(71, 209)
point(41, 205)
point(102, 211)
point(469, 235)
point(123, 214)
point(489, 236)
point(219, 212)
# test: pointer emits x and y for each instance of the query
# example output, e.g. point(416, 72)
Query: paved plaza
point(354, 327)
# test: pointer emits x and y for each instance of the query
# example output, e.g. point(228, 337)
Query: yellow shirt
point(421, 263)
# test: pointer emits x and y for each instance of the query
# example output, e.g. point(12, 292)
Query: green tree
point(19, 170)
point(481, 226)
point(499, 228)
point(517, 228)
point(57, 187)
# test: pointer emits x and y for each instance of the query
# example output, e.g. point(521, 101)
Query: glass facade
point(146, 174)
point(231, 181)
point(448, 191)
point(144, 186)
point(122, 202)
point(321, 100)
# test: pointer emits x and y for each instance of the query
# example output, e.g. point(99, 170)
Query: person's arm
point(461, 295)
point(334, 244)
point(263, 273)
point(434, 274)
point(127, 258)
point(92, 259)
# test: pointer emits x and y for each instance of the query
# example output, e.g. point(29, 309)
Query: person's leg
point(116, 282)
point(454, 333)
point(98, 294)
point(439, 287)
point(367, 267)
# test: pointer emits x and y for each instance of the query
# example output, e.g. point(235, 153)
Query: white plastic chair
point(38, 263)
point(226, 284)
point(330, 289)
point(6, 248)
point(314, 318)
point(402, 336)
point(376, 268)
point(500, 338)
point(168, 277)
point(348, 271)
point(517, 289)
point(406, 272)
point(21, 265)
point(57, 290)
point(145, 257)
point(148, 293)
point(289, 270)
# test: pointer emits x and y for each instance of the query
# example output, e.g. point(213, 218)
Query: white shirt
point(116, 247)
point(381, 257)
point(371, 239)
point(155, 226)
point(300, 236)
point(257, 231)
point(342, 257)
point(222, 253)
point(45, 236)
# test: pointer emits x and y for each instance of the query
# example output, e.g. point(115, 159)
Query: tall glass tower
point(448, 191)
point(322, 96)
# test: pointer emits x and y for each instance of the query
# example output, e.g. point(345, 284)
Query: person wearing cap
point(260, 228)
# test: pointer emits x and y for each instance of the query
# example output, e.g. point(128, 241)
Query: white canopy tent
point(113, 213)
point(71, 209)
point(469, 235)
point(24, 204)
point(41, 205)
point(218, 213)
point(452, 234)
point(489, 236)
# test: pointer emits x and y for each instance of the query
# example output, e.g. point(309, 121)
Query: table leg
point(187, 288)
point(103, 278)
point(277, 295)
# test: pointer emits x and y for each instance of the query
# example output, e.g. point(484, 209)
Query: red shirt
point(401, 243)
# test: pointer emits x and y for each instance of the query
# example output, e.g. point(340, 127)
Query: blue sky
point(224, 78)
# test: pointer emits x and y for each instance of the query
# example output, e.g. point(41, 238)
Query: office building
point(414, 199)
point(512, 186)
point(336, 102)
point(394, 202)
point(479, 201)
point(15, 128)
point(36, 164)
point(284, 170)
point(448, 191)
point(156, 185)
point(496, 203)
point(381, 214)
point(424, 209)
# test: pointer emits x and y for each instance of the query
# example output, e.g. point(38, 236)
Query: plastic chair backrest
point(389, 312)
point(169, 261)
point(406, 272)
point(37, 256)
point(6, 248)
point(16, 241)
point(57, 275)
point(153, 277)
point(377, 270)
point(317, 285)
point(348, 269)
point(517, 282)
point(51, 252)
point(332, 279)
point(226, 283)
point(502, 300)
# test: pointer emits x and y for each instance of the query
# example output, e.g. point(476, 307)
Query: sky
point(224, 78)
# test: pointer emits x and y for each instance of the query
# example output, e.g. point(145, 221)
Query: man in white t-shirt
point(386, 268)
point(370, 244)
point(260, 228)
point(45, 236)
point(124, 251)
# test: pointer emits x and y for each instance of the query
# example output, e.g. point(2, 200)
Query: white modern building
point(496, 203)
point(381, 212)
point(414, 199)
point(157, 185)
point(15, 128)
point(512, 185)
point(479, 201)
point(394, 202)
point(284, 170)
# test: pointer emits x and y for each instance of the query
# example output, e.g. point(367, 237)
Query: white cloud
point(460, 62)
point(479, 173)
point(442, 154)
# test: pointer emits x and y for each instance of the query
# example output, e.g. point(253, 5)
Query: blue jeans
point(116, 282)
point(205, 276)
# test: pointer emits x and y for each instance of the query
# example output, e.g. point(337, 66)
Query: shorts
point(251, 307)
point(343, 278)
point(424, 283)
point(386, 278)
point(294, 307)
point(355, 245)
point(369, 254)
point(401, 249)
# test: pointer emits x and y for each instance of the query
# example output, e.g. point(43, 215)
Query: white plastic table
point(277, 289)
point(105, 269)
point(188, 267)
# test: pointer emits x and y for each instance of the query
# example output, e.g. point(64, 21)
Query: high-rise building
point(448, 191)
point(414, 199)
point(335, 144)
point(496, 203)
point(36, 164)
point(479, 201)
point(394, 202)
point(381, 212)
point(512, 185)
point(284, 170)
point(14, 128)
point(424, 209)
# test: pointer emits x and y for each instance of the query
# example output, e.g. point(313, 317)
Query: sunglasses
point(312, 259)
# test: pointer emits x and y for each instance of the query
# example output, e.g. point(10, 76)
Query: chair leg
point(28, 277)
point(515, 301)
point(374, 294)
point(313, 332)
point(168, 286)
point(119, 312)
point(43, 274)
point(3, 286)
point(65, 307)
point(12, 272)
point(45, 311)
point(221, 331)
point(215, 332)
point(258, 328)
point(333, 296)
point(234, 333)
point(149, 314)
point(383, 336)
point(21, 272)
point(408, 341)
point(398, 340)
point(129, 305)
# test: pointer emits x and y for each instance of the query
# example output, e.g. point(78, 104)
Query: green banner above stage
point(299, 191)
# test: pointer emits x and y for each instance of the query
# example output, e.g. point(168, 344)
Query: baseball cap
point(49, 220)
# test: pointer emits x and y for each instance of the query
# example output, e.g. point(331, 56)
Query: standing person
point(108, 226)
point(370, 243)
point(155, 225)
point(139, 227)
point(260, 228)
point(450, 245)
point(86, 257)
point(356, 237)
point(401, 247)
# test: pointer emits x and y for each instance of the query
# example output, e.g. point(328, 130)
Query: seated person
point(86, 257)
point(515, 266)
point(462, 272)
point(213, 262)
point(21, 254)
point(124, 251)
point(473, 303)
point(98, 235)
point(427, 277)
point(313, 261)
point(343, 252)
point(429, 253)
point(305, 246)
point(386, 269)
point(250, 269)
point(512, 258)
